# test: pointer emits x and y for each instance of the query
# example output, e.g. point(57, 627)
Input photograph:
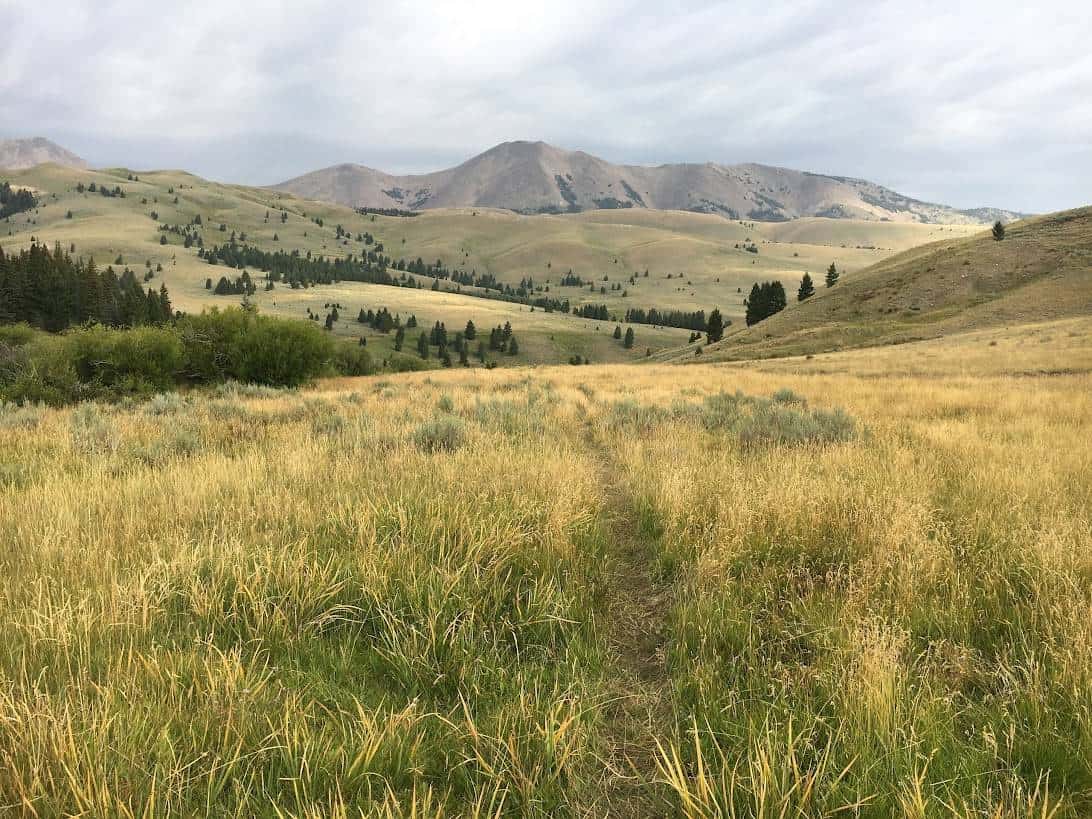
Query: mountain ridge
point(535, 177)
point(19, 154)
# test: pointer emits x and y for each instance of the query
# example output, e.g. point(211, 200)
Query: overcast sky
point(963, 102)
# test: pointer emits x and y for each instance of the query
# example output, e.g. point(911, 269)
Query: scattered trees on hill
point(765, 300)
point(807, 288)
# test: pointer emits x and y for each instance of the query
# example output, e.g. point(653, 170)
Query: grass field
point(600, 591)
point(1041, 270)
point(697, 251)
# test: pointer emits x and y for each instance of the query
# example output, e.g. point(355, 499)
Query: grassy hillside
point(697, 251)
point(1041, 270)
point(613, 591)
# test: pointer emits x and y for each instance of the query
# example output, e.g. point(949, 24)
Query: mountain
point(16, 154)
point(533, 177)
point(1041, 270)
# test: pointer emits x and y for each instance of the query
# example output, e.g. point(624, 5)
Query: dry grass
point(395, 597)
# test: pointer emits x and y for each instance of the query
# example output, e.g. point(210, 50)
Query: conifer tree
point(807, 288)
point(714, 330)
point(832, 275)
point(399, 339)
point(998, 231)
point(422, 345)
point(628, 342)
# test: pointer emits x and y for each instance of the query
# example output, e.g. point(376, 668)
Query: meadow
point(847, 585)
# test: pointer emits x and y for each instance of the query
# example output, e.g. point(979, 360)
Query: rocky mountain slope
point(17, 154)
point(533, 177)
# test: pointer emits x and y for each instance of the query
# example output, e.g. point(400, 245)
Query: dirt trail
point(636, 628)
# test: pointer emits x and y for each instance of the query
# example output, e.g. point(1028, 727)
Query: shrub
point(353, 360)
point(238, 344)
point(13, 416)
point(775, 425)
point(280, 352)
point(92, 432)
point(445, 404)
point(166, 403)
point(406, 364)
point(440, 435)
point(138, 361)
point(787, 396)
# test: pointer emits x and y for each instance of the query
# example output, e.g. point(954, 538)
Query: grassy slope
point(1041, 270)
point(695, 249)
point(528, 594)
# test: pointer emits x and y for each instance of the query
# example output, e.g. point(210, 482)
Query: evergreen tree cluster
point(387, 212)
point(765, 300)
point(240, 286)
point(116, 191)
point(667, 318)
point(380, 320)
point(599, 312)
point(15, 201)
point(52, 291)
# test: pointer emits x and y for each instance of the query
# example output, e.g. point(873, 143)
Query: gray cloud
point(965, 103)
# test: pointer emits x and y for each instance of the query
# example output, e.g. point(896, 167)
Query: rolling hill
point(533, 177)
point(694, 261)
point(18, 154)
point(1041, 270)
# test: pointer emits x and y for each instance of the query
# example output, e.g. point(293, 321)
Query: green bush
point(241, 345)
point(352, 359)
point(281, 352)
point(406, 364)
point(141, 360)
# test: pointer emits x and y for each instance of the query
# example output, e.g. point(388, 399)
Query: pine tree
point(617, 331)
point(714, 330)
point(807, 289)
point(998, 231)
point(628, 342)
point(832, 275)
point(755, 308)
point(471, 331)
point(513, 347)
point(422, 345)
point(399, 339)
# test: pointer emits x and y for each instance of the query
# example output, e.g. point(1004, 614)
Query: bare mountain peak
point(536, 177)
point(17, 154)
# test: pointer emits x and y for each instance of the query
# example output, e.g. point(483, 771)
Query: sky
point(965, 103)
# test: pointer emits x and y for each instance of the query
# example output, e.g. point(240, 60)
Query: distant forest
point(15, 201)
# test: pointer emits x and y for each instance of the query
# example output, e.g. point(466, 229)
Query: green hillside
point(1041, 270)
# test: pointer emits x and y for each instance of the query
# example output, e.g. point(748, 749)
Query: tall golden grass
point(399, 598)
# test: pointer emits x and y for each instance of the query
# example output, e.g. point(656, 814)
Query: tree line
point(15, 201)
point(667, 318)
point(52, 291)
